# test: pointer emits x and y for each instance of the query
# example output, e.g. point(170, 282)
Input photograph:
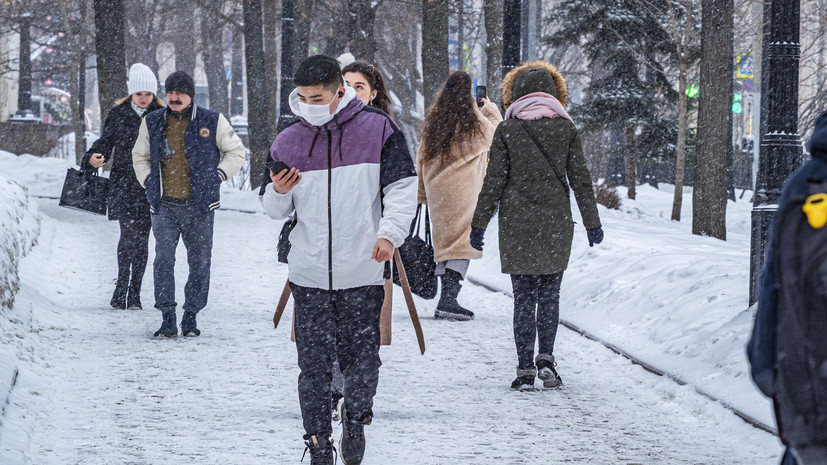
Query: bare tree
point(682, 36)
point(714, 119)
point(435, 61)
point(493, 47)
point(144, 23)
point(109, 47)
point(272, 31)
point(212, 45)
point(256, 89)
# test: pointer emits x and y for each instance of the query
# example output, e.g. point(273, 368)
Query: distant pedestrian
point(181, 156)
point(127, 200)
point(451, 163)
point(351, 183)
point(536, 154)
point(787, 351)
point(369, 85)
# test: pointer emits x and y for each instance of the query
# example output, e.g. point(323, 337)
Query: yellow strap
point(816, 210)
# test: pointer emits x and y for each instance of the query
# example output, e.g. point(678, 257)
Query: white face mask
point(317, 115)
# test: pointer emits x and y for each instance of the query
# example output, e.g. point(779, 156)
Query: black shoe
point(118, 304)
point(525, 380)
point(133, 304)
point(169, 327)
point(448, 307)
point(118, 301)
point(547, 374)
point(352, 443)
point(321, 450)
point(188, 325)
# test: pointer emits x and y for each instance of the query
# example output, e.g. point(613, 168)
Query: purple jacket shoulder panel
point(353, 137)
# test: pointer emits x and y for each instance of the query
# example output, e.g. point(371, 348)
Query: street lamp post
point(288, 34)
point(781, 152)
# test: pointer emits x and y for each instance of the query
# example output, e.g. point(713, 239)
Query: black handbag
point(418, 259)
point(283, 246)
point(85, 190)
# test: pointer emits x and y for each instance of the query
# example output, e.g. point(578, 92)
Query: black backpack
point(800, 387)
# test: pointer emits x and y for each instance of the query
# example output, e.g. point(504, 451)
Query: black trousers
point(536, 313)
point(343, 323)
point(133, 253)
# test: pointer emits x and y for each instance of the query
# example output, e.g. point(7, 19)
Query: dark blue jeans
point(180, 219)
point(343, 323)
point(536, 313)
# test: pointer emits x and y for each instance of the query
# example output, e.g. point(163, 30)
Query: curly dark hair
point(452, 119)
point(375, 81)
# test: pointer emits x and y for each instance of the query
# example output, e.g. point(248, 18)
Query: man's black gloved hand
point(476, 238)
point(595, 235)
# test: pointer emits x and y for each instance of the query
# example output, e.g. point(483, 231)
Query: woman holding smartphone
point(127, 199)
point(451, 164)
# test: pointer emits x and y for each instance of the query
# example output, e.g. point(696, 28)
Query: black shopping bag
point(418, 259)
point(85, 190)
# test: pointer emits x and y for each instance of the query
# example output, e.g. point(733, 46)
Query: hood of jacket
point(340, 114)
point(817, 145)
point(530, 77)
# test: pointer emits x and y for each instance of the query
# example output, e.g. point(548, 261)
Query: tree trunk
point(714, 119)
point(76, 32)
point(435, 61)
point(237, 74)
point(682, 41)
point(493, 48)
point(212, 35)
point(109, 47)
point(304, 15)
point(630, 163)
point(256, 89)
point(363, 40)
point(143, 27)
point(272, 30)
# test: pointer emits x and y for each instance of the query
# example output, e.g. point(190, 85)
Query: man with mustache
point(181, 156)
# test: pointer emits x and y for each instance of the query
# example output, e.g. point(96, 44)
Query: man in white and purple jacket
point(352, 184)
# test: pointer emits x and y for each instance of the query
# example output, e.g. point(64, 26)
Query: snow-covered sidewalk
point(95, 388)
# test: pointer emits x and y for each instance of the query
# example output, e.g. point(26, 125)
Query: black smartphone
point(481, 94)
point(276, 166)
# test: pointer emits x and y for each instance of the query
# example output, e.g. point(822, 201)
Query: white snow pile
point(674, 300)
point(19, 227)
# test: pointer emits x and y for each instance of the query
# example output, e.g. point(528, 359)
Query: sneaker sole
point(452, 316)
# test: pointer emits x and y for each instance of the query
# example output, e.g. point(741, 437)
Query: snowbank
point(676, 301)
point(19, 229)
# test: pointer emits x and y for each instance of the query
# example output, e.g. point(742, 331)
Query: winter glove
point(476, 238)
point(595, 235)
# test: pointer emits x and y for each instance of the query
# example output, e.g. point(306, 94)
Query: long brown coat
point(535, 221)
point(451, 190)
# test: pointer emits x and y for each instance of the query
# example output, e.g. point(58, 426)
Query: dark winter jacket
point(214, 154)
point(535, 221)
point(126, 196)
point(761, 350)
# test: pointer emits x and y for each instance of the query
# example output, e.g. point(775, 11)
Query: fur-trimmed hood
point(511, 78)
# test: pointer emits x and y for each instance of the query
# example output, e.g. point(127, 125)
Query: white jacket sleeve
point(277, 206)
point(140, 155)
point(399, 209)
point(231, 148)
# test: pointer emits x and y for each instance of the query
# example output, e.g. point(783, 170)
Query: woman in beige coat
point(451, 164)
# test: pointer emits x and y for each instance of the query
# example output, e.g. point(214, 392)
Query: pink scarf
point(535, 106)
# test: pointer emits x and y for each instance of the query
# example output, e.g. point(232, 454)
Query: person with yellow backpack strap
point(786, 352)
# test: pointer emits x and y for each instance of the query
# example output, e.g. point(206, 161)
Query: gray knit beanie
point(142, 79)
